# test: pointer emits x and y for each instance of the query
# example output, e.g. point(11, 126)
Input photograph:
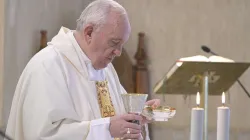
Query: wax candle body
point(223, 123)
point(197, 119)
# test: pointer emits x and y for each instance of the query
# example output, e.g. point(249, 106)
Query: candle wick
point(223, 104)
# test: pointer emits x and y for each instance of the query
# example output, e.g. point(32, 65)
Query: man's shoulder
point(48, 56)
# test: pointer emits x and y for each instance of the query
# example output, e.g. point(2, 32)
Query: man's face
point(108, 41)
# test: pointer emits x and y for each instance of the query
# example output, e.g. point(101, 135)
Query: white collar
point(95, 75)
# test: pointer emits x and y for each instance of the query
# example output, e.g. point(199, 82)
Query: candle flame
point(198, 98)
point(223, 100)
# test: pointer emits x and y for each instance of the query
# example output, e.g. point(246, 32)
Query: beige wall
point(177, 28)
point(1, 57)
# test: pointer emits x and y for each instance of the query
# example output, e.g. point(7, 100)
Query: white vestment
point(56, 97)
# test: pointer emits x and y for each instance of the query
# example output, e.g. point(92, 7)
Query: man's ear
point(88, 30)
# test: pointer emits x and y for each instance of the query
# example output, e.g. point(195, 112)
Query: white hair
point(97, 12)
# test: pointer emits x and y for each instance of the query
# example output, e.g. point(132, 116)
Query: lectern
point(208, 78)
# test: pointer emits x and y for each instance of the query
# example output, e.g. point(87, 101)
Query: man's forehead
point(118, 32)
point(117, 18)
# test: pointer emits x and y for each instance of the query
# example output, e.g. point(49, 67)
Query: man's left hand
point(154, 103)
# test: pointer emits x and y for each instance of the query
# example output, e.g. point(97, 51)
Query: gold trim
point(164, 108)
point(104, 99)
point(160, 108)
point(87, 132)
point(73, 65)
point(137, 94)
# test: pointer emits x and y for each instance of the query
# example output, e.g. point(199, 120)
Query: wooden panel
point(141, 71)
point(134, 78)
point(124, 69)
point(43, 40)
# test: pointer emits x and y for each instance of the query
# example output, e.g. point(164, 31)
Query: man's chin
point(104, 65)
point(107, 63)
point(109, 60)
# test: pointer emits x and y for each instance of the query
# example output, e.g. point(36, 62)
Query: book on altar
point(201, 58)
point(178, 63)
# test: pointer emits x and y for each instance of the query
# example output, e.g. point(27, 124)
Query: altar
point(198, 75)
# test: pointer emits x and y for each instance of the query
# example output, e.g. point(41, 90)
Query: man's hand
point(121, 128)
point(154, 103)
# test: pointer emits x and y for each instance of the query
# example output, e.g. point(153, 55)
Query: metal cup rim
point(136, 94)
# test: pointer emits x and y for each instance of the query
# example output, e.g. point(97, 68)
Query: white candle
point(223, 121)
point(197, 119)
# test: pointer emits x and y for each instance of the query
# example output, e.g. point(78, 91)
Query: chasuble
point(60, 96)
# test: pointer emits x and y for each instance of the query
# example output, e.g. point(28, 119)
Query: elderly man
point(70, 90)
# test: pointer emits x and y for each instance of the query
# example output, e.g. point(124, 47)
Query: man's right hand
point(121, 128)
